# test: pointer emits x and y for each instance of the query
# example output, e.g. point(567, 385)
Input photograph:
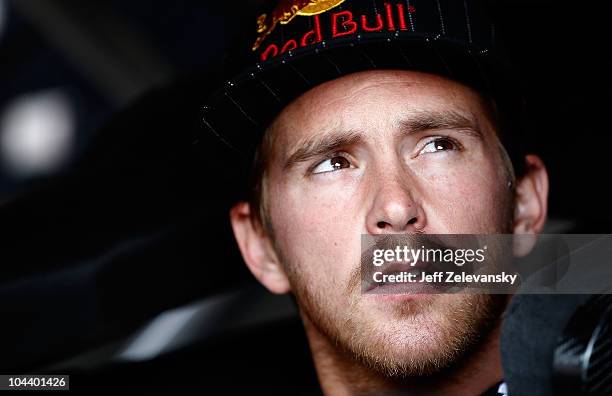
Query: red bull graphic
point(286, 11)
point(394, 17)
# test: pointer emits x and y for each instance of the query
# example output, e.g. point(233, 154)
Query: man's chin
point(408, 337)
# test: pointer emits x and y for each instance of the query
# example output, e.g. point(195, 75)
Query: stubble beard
point(413, 339)
point(416, 338)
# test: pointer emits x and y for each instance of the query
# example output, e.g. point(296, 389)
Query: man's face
point(374, 153)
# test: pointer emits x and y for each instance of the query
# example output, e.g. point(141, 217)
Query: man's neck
point(340, 374)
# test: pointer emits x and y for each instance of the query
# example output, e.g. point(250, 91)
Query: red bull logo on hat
point(286, 11)
point(394, 17)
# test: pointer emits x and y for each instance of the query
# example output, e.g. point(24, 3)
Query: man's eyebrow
point(447, 119)
point(321, 145)
point(327, 143)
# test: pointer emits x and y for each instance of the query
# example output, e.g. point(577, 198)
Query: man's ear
point(257, 251)
point(531, 204)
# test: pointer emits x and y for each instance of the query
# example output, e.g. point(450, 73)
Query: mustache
point(412, 241)
point(372, 243)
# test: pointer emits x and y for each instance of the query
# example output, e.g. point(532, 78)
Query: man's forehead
point(356, 84)
point(366, 78)
point(353, 101)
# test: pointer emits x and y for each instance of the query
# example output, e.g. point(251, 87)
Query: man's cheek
point(320, 236)
point(327, 209)
point(460, 202)
point(324, 236)
point(477, 213)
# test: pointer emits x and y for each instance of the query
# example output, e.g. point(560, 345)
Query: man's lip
point(402, 290)
point(398, 266)
point(394, 267)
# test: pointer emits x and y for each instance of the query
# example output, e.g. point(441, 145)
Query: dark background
point(112, 221)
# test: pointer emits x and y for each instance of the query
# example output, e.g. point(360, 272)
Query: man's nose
point(394, 210)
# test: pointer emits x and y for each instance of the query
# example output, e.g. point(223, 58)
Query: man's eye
point(439, 144)
point(332, 164)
